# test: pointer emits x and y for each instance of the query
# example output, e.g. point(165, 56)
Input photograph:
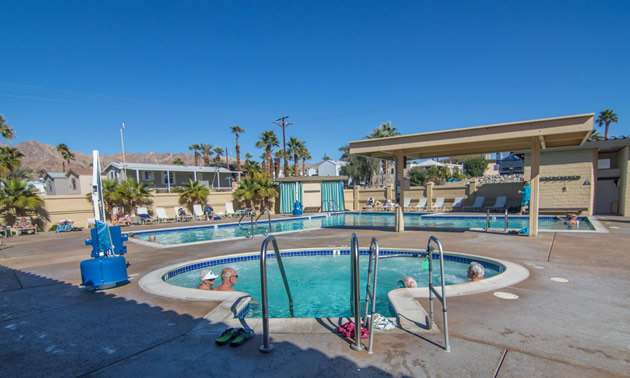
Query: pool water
point(320, 285)
point(352, 220)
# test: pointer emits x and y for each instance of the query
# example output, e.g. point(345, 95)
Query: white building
point(331, 168)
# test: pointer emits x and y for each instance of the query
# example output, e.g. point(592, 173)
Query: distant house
point(330, 168)
point(165, 177)
point(56, 183)
point(512, 164)
point(37, 185)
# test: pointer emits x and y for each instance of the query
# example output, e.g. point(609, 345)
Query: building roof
point(80, 171)
point(335, 162)
point(569, 131)
point(166, 167)
point(56, 175)
point(311, 178)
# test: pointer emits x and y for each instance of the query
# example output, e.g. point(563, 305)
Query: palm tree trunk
point(238, 155)
point(606, 135)
point(268, 170)
point(303, 167)
point(63, 166)
point(295, 160)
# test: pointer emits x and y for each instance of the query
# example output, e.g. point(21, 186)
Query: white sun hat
point(207, 275)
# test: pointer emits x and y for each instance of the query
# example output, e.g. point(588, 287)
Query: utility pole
point(280, 122)
point(122, 142)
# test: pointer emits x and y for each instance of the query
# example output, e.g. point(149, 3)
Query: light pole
point(280, 122)
point(122, 142)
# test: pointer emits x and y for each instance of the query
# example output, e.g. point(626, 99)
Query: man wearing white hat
point(207, 278)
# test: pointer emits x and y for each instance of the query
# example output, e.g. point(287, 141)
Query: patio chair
point(198, 212)
point(407, 202)
point(422, 204)
point(229, 210)
point(478, 204)
point(64, 225)
point(499, 204)
point(439, 204)
point(23, 224)
point(181, 218)
point(369, 205)
point(161, 214)
point(144, 216)
point(458, 202)
point(119, 217)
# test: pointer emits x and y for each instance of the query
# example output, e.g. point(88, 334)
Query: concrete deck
point(49, 325)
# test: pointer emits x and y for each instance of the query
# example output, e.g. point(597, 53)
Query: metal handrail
point(267, 347)
point(335, 207)
point(506, 221)
point(250, 231)
point(265, 210)
point(441, 297)
point(355, 296)
point(370, 296)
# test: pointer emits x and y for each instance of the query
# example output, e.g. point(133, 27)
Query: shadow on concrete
point(56, 328)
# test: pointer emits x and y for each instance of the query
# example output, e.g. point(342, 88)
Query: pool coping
point(410, 314)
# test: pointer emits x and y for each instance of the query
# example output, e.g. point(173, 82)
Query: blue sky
point(179, 73)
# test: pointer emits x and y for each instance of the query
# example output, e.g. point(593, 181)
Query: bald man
point(228, 279)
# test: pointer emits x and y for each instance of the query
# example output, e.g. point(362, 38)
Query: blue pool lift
point(107, 267)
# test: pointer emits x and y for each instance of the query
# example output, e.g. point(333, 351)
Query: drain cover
point(558, 279)
point(504, 295)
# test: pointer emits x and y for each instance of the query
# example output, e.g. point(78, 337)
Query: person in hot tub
point(207, 278)
point(475, 271)
point(228, 279)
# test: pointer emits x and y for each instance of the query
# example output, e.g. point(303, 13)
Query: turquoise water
point(320, 285)
point(353, 220)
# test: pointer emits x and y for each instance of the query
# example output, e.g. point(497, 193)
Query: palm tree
point(9, 160)
point(16, 200)
point(191, 193)
point(595, 136)
point(206, 151)
point(132, 194)
point(7, 131)
point(326, 157)
point(217, 159)
point(294, 149)
point(41, 172)
point(248, 156)
point(263, 159)
point(178, 161)
point(22, 173)
point(252, 167)
point(237, 130)
point(606, 117)
point(66, 155)
point(278, 155)
point(256, 188)
point(385, 130)
point(195, 148)
point(268, 139)
point(305, 155)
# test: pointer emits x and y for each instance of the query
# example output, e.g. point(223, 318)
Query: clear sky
point(183, 72)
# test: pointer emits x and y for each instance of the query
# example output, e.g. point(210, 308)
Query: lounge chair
point(64, 225)
point(369, 205)
point(161, 214)
point(23, 224)
point(229, 210)
point(478, 204)
point(143, 213)
point(181, 218)
point(407, 202)
point(458, 202)
point(198, 212)
point(422, 204)
point(439, 204)
point(119, 218)
point(499, 204)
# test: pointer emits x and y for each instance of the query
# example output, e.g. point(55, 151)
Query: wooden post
point(355, 197)
point(400, 184)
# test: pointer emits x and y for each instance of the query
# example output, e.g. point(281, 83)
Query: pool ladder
point(370, 298)
point(254, 223)
point(440, 296)
point(267, 347)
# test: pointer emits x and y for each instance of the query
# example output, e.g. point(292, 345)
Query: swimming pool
point(179, 236)
point(320, 279)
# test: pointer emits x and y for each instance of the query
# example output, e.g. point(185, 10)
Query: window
point(73, 183)
point(148, 176)
point(171, 178)
point(603, 164)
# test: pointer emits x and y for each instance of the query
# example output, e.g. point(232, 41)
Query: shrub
point(475, 166)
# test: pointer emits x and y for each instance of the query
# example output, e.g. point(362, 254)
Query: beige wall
point(565, 193)
point(624, 171)
point(313, 199)
point(348, 199)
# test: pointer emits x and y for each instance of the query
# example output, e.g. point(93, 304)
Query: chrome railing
point(370, 296)
point(336, 206)
point(267, 231)
point(267, 347)
point(250, 230)
point(355, 296)
point(441, 297)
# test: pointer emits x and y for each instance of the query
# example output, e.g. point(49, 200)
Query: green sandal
point(242, 335)
point(227, 336)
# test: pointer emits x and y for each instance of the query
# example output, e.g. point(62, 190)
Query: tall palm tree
point(9, 160)
point(206, 151)
point(193, 192)
point(16, 200)
point(294, 150)
point(606, 117)
point(268, 139)
point(278, 155)
point(66, 155)
point(217, 159)
point(7, 131)
point(263, 159)
point(385, 130)
point(304, 155)
point(236, 130)
point(195, 149)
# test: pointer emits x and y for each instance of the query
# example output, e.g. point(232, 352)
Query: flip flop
point(242, 335)
point(227, 336)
